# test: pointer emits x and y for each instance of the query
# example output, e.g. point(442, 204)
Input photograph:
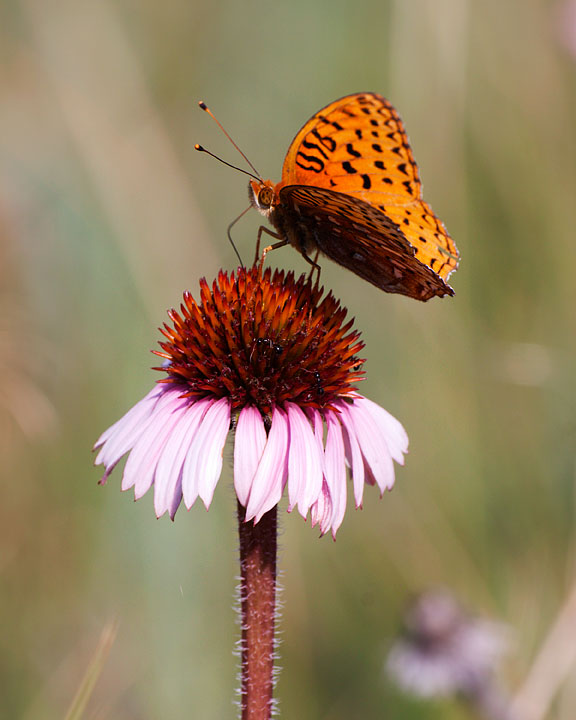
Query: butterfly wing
point(358, 146)
point(357, 236)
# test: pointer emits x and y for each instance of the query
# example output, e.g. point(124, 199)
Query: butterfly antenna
point(207, 109)
point(230, 236)
point(234, 167)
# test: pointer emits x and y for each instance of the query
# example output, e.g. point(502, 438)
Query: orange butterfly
point(350, 189)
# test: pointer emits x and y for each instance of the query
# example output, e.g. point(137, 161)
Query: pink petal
point(203, 463)
point(141, 464)
point(353, 453)
point(321, 511)
point(270, 477)
point(373, 444)
point(396, 436)
point(168, 476)
point(122, 436)
point(335, 470)
point(318, 425)
point(304, 462)
point(150, 397)
point(249, 445)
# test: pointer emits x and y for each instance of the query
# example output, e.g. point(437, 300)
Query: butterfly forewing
point(357, 142)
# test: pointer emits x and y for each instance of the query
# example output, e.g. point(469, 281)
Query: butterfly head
point(262, 195)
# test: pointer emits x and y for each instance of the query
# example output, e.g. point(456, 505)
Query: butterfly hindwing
point(357, 236)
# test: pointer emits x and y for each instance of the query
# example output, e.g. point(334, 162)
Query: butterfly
point(350, 189)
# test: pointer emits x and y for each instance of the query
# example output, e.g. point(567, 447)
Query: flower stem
point(258, 602)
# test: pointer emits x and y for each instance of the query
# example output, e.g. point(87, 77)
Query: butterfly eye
point(265, 196)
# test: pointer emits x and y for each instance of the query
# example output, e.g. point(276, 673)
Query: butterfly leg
point(266, 250)
point(314, 264)
point(264, 229)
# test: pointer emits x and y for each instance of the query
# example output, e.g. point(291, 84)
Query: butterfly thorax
point(265, 197)
point(285, 217)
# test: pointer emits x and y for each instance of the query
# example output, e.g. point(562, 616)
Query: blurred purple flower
point(269, 357)
point(566, 25)
point(445, 652)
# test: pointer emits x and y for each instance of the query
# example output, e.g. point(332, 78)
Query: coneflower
point(274, 359)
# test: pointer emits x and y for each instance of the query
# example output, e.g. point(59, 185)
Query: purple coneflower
point(269, 357)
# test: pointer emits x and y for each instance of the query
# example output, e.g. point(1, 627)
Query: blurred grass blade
point(84, 692)
point(552, 667)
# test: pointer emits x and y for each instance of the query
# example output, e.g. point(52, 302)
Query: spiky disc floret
point(262, 339)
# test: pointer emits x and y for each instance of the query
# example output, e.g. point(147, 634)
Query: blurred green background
point(107, 214)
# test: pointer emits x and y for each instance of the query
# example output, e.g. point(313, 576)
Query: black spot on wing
point(314, 146)
point(351, 151)
point(314, 164)
point(328, 142)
